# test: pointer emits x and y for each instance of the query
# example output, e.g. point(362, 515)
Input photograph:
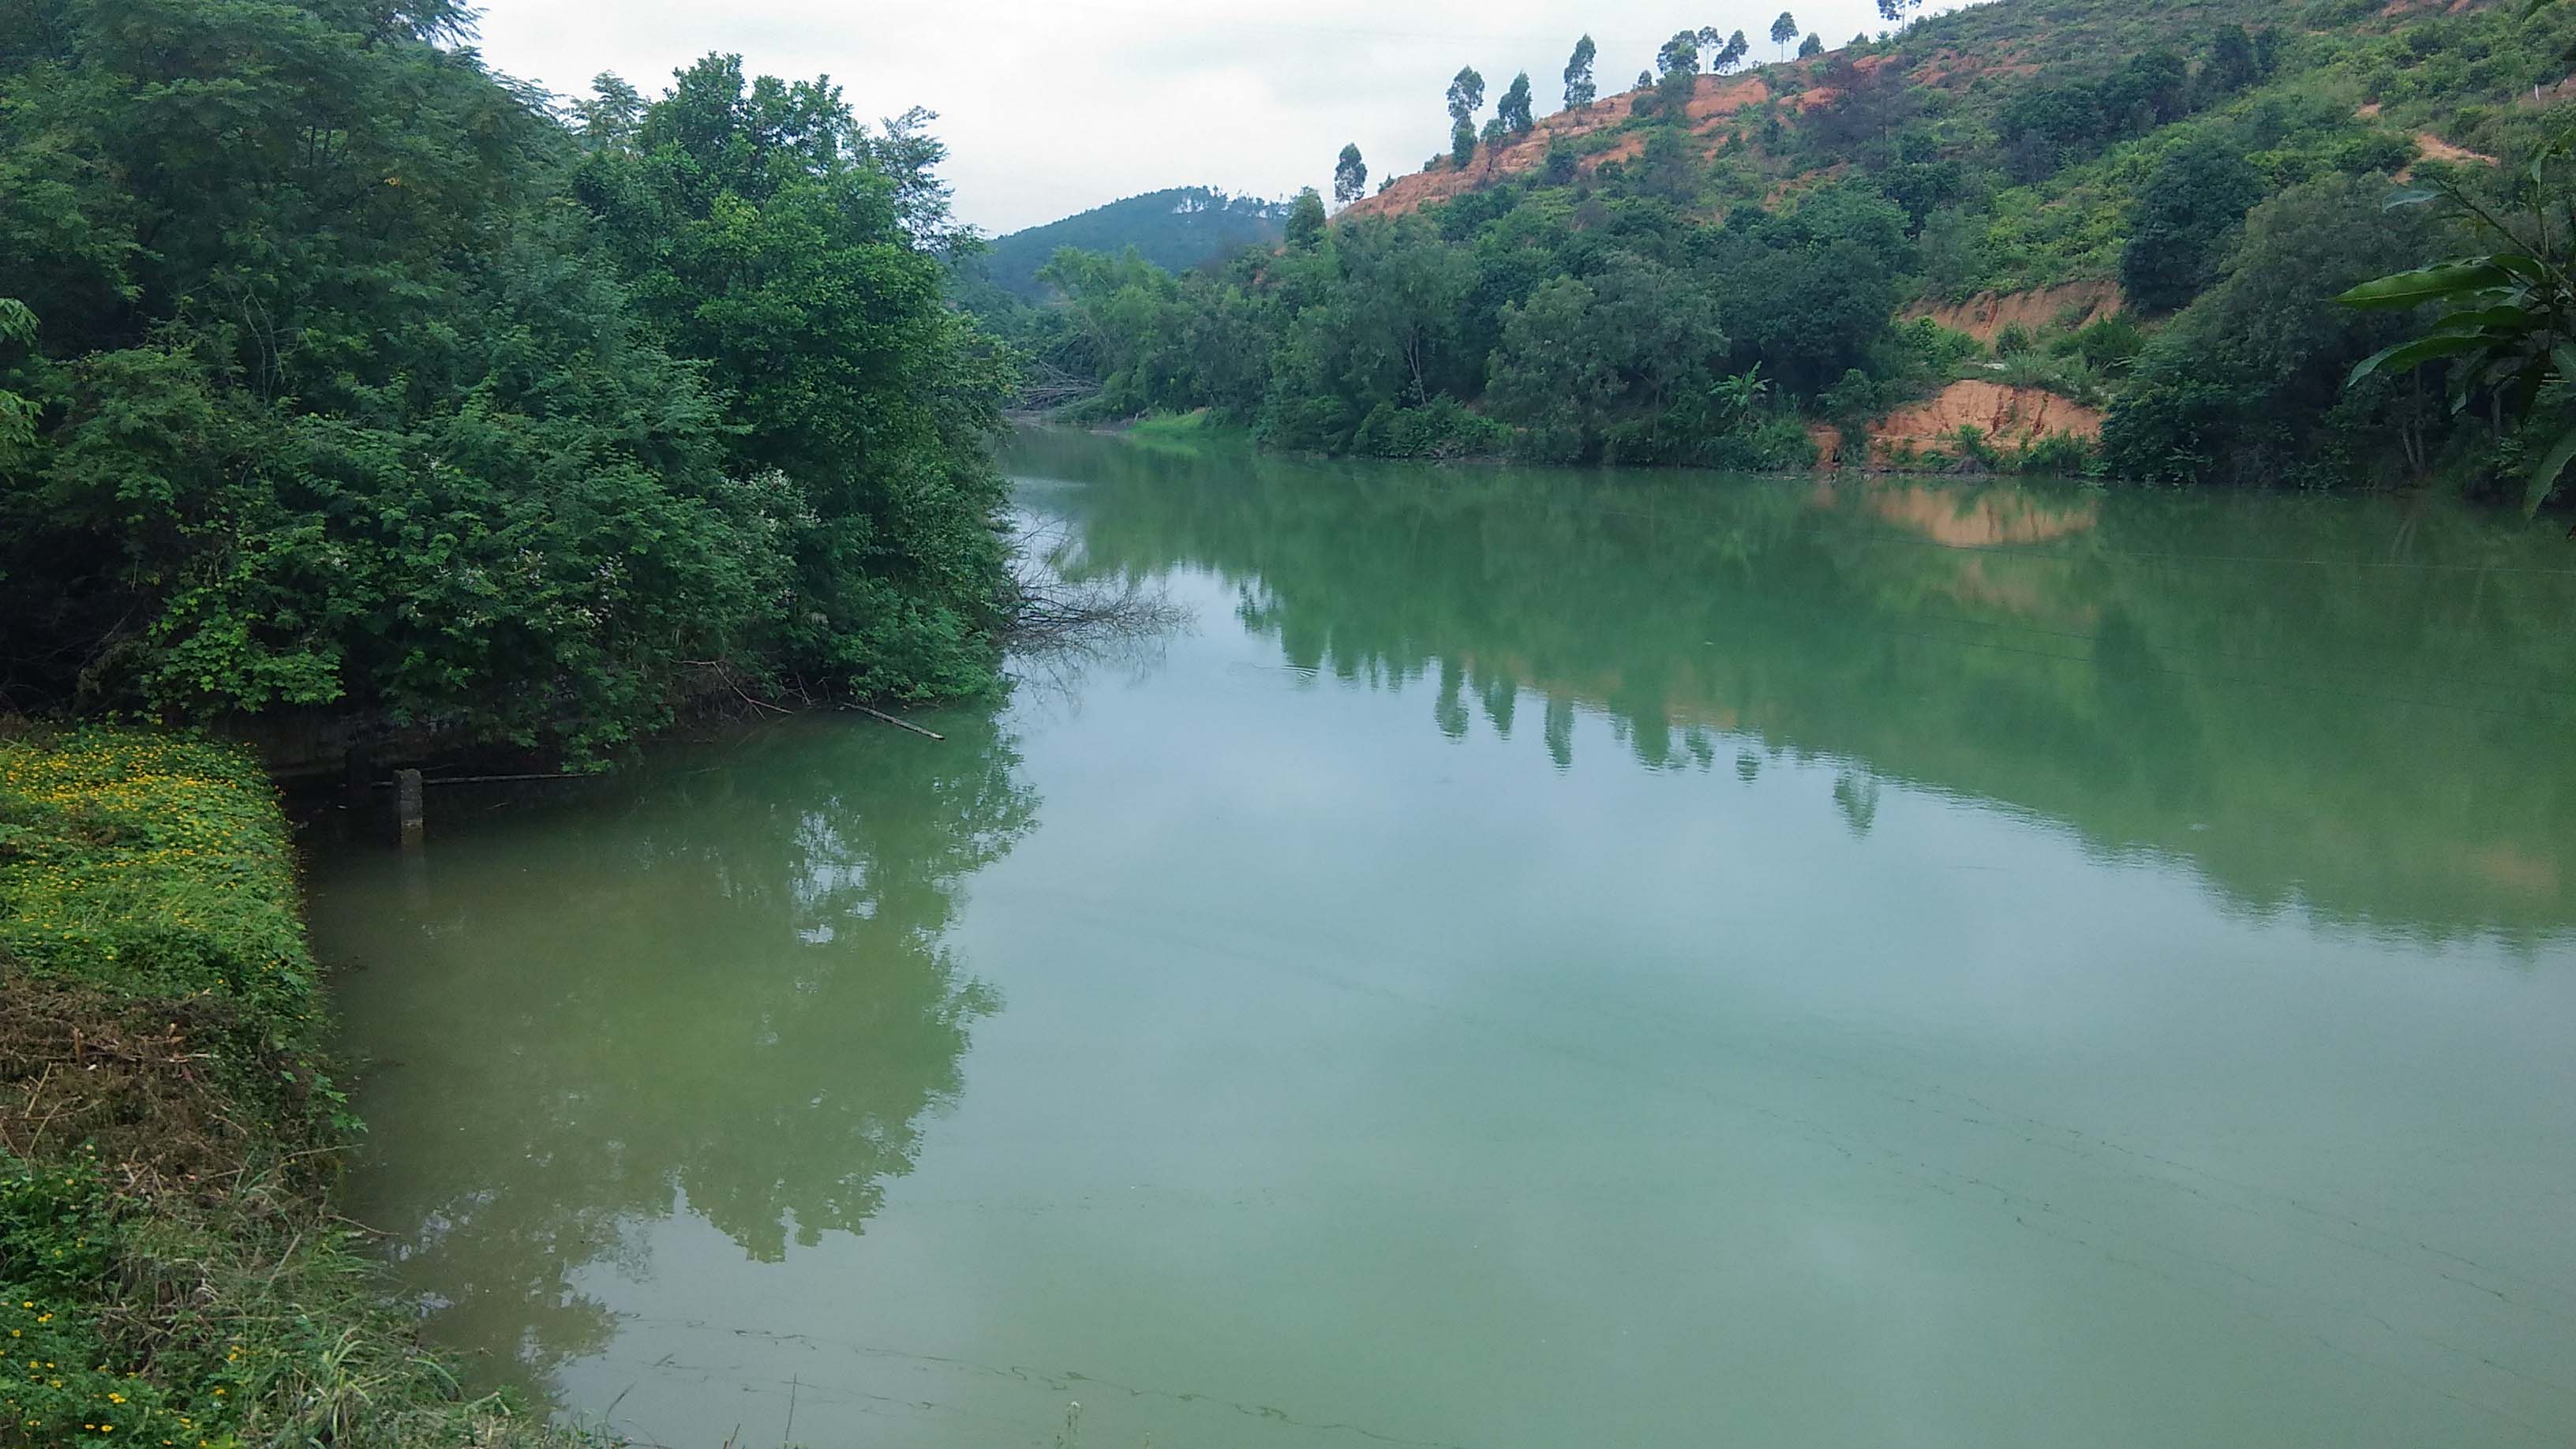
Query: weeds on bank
point(170, 1271)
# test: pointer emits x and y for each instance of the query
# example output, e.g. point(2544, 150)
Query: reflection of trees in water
point(2376, 737)
point(728, 986)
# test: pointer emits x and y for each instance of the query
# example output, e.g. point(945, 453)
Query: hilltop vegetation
point(338, 374)
point(1697, 270)
point(1176, 229)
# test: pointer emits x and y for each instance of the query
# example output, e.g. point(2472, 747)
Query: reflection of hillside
point(2380, 740)
point(772, 935)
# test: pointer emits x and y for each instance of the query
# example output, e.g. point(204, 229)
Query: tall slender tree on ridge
point(1784, 30)
point(1350, 176)
point(1512, 112)
point(1579, 89)
point(1466, 98)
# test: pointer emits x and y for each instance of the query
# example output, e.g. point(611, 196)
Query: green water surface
point(1548, 959)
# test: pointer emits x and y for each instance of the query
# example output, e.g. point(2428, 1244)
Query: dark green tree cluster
point(1496, 326)
point(338, 373)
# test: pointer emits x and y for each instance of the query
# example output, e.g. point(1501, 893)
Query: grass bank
point(171, 1271)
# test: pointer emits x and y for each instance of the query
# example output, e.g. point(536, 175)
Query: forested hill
point(2052, 232)
point(1176, 228)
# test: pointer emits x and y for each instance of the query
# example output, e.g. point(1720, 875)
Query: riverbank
point(172, 1270)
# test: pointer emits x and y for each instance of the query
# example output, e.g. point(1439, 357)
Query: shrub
point(1440, 428)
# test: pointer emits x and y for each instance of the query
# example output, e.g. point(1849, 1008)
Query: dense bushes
point(340, 392)
point(2247, 385)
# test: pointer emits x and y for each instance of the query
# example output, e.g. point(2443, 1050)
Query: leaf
point(2544, 479)
point(2529, 268)
point(2428, 284)
point(2497, 322)
point(2406, 355)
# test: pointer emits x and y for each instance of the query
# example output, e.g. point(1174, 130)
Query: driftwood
point(902, 724)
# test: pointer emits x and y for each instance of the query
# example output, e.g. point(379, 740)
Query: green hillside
point(1176, 228)
point(1701, 270)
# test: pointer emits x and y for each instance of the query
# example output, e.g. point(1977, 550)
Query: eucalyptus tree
point(1579, 89)
point(1466, 97)
point(1784, 30)
point(1512, 112)
point(1350, 176)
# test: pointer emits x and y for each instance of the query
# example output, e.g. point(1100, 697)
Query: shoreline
point(171, 1136)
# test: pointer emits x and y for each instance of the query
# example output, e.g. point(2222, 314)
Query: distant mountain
point(1176, 229)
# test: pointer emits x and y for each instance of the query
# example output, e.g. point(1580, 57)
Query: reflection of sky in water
point(1327, 1032)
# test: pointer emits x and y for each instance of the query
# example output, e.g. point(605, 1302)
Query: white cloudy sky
point(1049, 108)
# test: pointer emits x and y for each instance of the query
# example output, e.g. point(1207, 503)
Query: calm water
point(1549, 959)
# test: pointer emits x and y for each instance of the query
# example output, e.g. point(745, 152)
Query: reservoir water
point(1547, 959)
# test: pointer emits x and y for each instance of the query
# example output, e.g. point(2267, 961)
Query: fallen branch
point(897, 723)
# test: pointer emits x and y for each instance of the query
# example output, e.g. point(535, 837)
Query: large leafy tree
point(2247, 384)
point(799, 258)
point(2191, 205)
point(328, 398)
point(1783, 31)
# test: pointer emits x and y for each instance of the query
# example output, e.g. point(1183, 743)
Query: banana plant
point(2508, 318)
point(1739, 395)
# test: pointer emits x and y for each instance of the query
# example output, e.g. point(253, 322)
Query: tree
point(1681, 53)
point(2232, 63)
point(2246, 384)
point(1724, 52)
point(1894, 12)
point(607, 118)
point(1350, 176)
point(1306, 218)
point(1513, 110)
point(1579, 89)
point(1783, 31)
point(1462, 142)
point(1466, 95)
point(370, 390)
point(2191, 204)
point(1813, 45)
point(1621, 362)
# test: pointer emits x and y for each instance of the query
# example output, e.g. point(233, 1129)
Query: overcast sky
point(1051, 108)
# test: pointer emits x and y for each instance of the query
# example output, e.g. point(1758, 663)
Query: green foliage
point(1176, 228)
point(1350, 176)
point(168, 1272)
point(2508, 323)
point(1466, 95)
point(2179, 228)
point(1512, 112)
point(1440, 428)
point(2247, 384)
point(140, 865)
point(334, 400)
point(1993, 148)
point(1306, 219)
point(1579, 87)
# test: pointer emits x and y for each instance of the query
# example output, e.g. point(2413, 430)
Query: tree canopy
point(341, 376)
